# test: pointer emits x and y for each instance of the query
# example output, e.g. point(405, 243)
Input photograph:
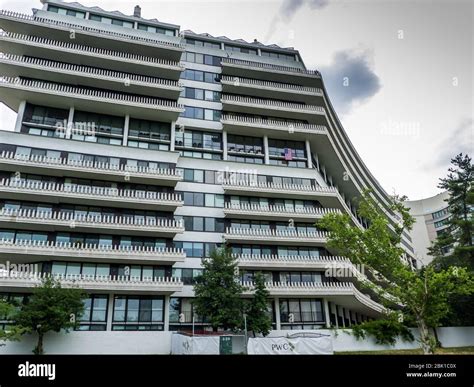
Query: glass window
point(209, 200)
point(99, 309)
point(157, 310)
point(73, 268)
point(198, 223)
point(219, 200)
point(199, 199)
point(133, 307)
point(210, 224)
point(88, 269)
point(120, 303)
point(59, 268)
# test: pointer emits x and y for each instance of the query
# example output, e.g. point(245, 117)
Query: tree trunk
point(425, 337)
point(39, 346)
point(438, 343)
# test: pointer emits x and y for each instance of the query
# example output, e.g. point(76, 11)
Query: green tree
point(258, 320)
point(455, 246)
point(218, 291)
point(12, 332)
point(51, 308)
point(422, 294)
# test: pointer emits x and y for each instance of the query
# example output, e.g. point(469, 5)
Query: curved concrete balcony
point(10, 161)
point(20, 66)
point(251, 185)
point(20, 44)
point(270, 72)
point(34, 251)
point(258, 261)
point(60, 193)
point(13, 281)
point(252, 211)
point(127, 41)
point(59, 221)
point(329, 197)
point(268, 89)
point(288, 236)
point(235, 123)
point(64, 96)
point(342, 293)
point(239, 104)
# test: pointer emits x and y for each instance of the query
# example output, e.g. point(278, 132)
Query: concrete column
point(126, 124)
point(110, 312)
point(87, 16)
point(324, 174)
point(172, 135)
point(341, 310)
point(348, 315)
point(334, 310)
point(265, 149)
point(277, 314)
point(19, 117)
point(70, 122)
point(166, 312)
point(316, 160)
point(326, 312)
point(308, 154)
point(224, 144)
point(259, 52)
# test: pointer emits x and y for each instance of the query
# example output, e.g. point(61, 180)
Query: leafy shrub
point(385, 331)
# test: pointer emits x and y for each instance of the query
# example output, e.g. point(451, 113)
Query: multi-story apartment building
point(431, 217)
point(139, 148)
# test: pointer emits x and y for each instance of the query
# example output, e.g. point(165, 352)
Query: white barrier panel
point(290, 346)
point(189, 345)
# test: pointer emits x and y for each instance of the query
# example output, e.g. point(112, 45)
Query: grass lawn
point(439, 351)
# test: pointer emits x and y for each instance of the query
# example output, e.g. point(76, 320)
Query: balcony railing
point(276, 235)
point(89, 51)
point(270, 104)
point(317, 289)
point(76, 220)
point(270, 67)
point(90, 166)
point(254, 185)
point(29, 247)
point(235, 119)
point(104, 96)
point(271, 210)
point(89, 71)
point(272, 259)
point(237, 81)
point(104, 193)
point(99, 32)
point(92, 282)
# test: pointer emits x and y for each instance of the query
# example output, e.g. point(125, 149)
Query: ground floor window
point(138, 313)
point(94, 317)
point(298, 311)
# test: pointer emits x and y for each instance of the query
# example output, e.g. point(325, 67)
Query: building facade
point(431, 217)
point(139, 148)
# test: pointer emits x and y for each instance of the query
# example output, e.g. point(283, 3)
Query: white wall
point(343, 341)
point(108, 342)
point(456, 336)
point(144, 343)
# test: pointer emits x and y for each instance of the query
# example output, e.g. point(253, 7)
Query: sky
point(399, 73)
